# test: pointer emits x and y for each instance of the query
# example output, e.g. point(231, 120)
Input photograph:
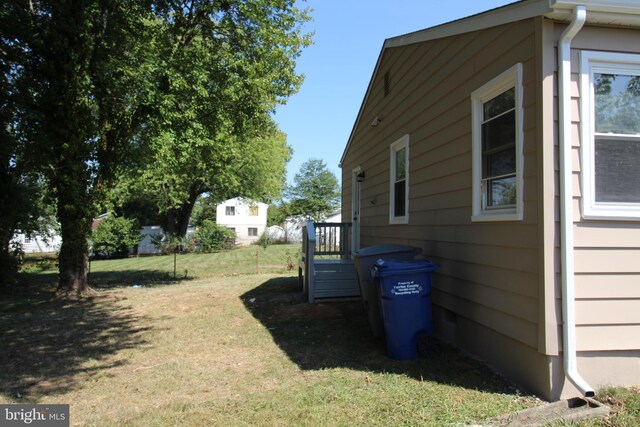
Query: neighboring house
point(276, 234)
point(293, 226)
point(153, 232)
point(97, 220)
point(149, 234)
point(520, 178)
point(247, 218)
point(37, 244)
point(332, 234)
point(334, 217)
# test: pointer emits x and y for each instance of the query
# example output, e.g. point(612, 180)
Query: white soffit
point(603, 12)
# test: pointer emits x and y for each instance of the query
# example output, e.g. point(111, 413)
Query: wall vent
point(387, 83)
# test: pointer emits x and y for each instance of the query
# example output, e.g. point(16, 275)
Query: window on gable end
point(399, 182)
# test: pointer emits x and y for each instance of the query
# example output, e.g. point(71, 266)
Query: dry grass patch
point(241, 350)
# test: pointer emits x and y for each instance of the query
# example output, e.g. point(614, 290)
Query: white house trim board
point(502, 15)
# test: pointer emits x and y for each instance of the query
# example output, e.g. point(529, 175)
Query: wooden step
point(335, 278)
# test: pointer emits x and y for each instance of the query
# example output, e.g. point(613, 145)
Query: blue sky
point(348, 38)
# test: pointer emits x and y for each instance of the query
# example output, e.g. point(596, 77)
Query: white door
point(355, 209)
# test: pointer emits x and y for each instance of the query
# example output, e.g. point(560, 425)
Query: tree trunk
point(178, 218)
point(74, 261)
point(75, 212)
point(8, 263)
point(68, 136)
point(74, 251)
point(184, 217)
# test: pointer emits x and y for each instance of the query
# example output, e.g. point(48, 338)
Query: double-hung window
point(229, 210)
point(610, 88)
point(497, 148)
point(399, 182)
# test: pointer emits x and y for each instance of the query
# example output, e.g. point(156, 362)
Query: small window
point(253, 231)
point(497, 141)
point(230, 210)
point(611, 135)
point(27, 239)
point(399, 179)
point(253, 211)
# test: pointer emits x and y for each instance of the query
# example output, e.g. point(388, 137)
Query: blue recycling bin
point(405, 301)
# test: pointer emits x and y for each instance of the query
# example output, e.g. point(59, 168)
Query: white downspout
point(566, 204)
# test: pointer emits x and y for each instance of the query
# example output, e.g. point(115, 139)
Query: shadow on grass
point(128, 278)
point(336, 334)
point(51, 345)
point(38, 282)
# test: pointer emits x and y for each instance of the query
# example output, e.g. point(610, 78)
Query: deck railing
point(333, 238)
point(322, 239)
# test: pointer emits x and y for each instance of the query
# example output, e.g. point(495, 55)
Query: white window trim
point(511, 78)
point(601, 62)
point(398, 145)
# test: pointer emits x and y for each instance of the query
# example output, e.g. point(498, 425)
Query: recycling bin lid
point(389, 248)
point(384, 268)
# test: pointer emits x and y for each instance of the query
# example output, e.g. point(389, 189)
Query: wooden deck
point(327, 277)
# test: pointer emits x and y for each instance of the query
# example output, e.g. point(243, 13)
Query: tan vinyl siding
point(620, 337)
point(607, 253)
point(489, 271)
point(497, 292)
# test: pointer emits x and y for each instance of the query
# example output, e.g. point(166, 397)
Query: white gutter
point(566, 204)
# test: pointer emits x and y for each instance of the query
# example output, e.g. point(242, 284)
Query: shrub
point(115, 236)
point(168, 243)
point(210, 237)
point(265, 240)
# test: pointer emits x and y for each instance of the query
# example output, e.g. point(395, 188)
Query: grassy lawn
point(232, 347)
point(157, 270)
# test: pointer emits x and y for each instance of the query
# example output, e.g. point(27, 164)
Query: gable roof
point(600, 12)
point(241, 201)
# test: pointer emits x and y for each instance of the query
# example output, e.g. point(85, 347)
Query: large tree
point(222, 69)
point(73, 65)
point(101, 80)
point(176, 172)
point(315, 192)
point(23, 206)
